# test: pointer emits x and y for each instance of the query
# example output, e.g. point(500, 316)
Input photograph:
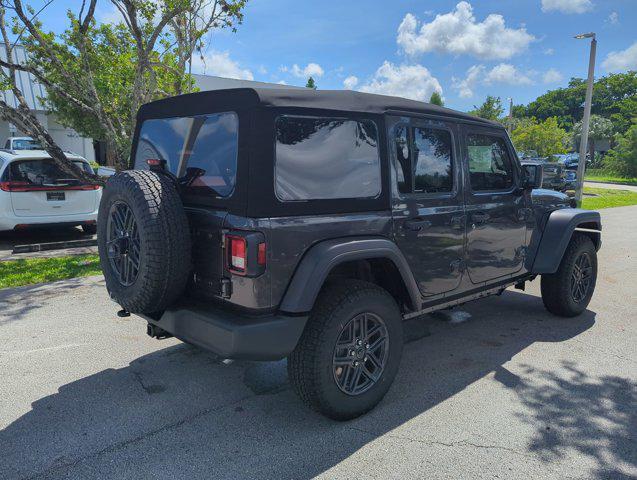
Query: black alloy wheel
point(360, 353)
point(122, 242)
point(581, 277)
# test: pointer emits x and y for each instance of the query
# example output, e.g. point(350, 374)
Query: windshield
point(27, 144)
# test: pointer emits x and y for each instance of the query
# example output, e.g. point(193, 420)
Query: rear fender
point(320, 259)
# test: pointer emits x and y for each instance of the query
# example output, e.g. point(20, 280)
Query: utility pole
point(581, 166)
point(510, 126)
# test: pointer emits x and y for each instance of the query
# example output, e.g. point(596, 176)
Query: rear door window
point(201, 151)
point(320, 158)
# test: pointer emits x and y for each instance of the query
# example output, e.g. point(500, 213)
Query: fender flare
point(321, 258)
point(557, 234)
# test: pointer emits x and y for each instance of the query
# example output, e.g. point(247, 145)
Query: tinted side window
point(326, 158)
point(201, 151)
point(489, 163)
point(432, 152)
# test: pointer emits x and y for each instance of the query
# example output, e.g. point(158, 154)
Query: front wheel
point(568, 291)
point(350, 350)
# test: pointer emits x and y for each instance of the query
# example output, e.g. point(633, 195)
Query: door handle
point(416, 224)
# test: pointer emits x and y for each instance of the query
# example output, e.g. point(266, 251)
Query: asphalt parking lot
point(511, 392)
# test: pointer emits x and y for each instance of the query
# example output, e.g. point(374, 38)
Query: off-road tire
point(556, 287)
point(89, 229)
point(165, 246)
point(310, 366)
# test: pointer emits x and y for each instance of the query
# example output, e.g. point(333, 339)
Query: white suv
point(35, 192)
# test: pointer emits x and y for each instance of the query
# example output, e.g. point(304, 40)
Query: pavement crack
point(458, 443)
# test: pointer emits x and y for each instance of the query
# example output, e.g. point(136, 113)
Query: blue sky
point(466, 50)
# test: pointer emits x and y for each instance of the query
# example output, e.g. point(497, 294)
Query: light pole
point(581, 166)
point(510, 126)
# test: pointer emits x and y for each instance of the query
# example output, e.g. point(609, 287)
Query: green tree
point(600, 128)
point(614, 97)
point(622, 160)
point(547, 137)
point(491, 109)
point(436, 99)
point(311, 83)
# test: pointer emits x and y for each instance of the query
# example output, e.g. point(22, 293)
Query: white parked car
point(34, 192)
point(23, 145)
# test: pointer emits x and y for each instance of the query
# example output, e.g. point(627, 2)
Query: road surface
point(511, 392)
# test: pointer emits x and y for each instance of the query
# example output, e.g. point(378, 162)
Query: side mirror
point(533, 174)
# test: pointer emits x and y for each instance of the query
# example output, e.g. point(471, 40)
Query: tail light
point(261, 254)
point(245, 253)
point(237, 254)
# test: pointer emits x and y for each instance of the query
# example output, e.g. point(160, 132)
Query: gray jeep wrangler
point(262, 224)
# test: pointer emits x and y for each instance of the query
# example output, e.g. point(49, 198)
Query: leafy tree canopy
point(311, 83)
point(436, 99)
point(491, 109)
point(622, 160)
point(547, 137)
point(614, 97)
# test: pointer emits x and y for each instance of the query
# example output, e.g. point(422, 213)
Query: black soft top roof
point(342, 100)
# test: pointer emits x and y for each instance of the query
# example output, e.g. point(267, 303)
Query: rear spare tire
point(144, 241)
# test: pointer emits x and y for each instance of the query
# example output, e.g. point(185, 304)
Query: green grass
point(14, 273)
point(607, 198)
point(602, 176)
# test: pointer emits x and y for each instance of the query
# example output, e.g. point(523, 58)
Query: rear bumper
point(231, 334)
point(10, 222)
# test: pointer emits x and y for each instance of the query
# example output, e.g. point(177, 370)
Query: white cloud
point(220, 64)
point(506, 73)
point(549, 51)
point(465, 86)
point(409, 81)
point(350, 82)
point(457, 32)
point(622, 60)
point(567, 6)
point(613, 18)
point(310, 70)
point(552, 76)
point(503, 73)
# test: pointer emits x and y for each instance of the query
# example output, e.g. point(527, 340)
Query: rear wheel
point(350, 351)
point(568, 291)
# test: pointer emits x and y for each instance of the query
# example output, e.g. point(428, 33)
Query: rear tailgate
point(53, 202)
point(39, 188)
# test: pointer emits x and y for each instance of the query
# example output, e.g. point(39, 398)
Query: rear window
point(27, 144)
point(326, 158)
point(201, 151)
point(44, 172)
